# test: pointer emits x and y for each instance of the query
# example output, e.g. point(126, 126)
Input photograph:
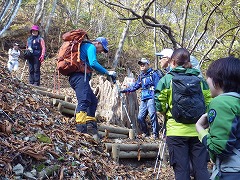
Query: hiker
point(181, 135)
point(195, 64)
point(165, 57)
point(36, 49)
point(219, 128)
point(147, 81)
point(13, 55)
point(87, 100)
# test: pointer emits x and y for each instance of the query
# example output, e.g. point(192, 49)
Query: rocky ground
point(37, 142)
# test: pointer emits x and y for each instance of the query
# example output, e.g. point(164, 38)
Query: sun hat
point(165, 53)
point(34, 28)
point(143, 61)
point(104, 43)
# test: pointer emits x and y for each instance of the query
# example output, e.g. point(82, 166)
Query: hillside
point(37, 142)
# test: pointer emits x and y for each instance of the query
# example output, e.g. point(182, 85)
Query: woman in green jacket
point(182, 139)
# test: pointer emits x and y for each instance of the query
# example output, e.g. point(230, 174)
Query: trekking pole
point(124, 106)
point(161, 158)
point(160, 154)
point(3, 112)
point(159, 151)
point(23, 70)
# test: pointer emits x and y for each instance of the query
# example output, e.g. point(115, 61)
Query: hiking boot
point(92, 127)
point(81, 128)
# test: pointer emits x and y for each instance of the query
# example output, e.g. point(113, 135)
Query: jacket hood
point(191, 71)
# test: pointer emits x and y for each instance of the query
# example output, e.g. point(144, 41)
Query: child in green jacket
point(223, 118)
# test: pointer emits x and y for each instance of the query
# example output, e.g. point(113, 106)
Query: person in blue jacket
point(147, 81)
point(79, 81)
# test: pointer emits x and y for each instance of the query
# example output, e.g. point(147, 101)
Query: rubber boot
point(91, 125)
point(81, 128)
point(81, 117)
point(81, 122)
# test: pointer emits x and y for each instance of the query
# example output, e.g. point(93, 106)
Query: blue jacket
point(148, 82)
point(88, 53)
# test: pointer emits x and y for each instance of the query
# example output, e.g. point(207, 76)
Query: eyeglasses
point(143, 64)
point(163, 57)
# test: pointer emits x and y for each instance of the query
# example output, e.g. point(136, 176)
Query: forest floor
point(43, 144)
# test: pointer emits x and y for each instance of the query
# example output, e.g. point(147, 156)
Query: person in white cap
point(14, 54)
point(147, 81)
point(165, 57)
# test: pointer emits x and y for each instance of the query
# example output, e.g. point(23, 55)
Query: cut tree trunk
point(110, 105)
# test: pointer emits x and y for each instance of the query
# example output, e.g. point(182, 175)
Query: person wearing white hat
point(165, 57)
point(14, 54)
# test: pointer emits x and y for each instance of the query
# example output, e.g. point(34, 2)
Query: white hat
point(144, 61)
point(165, 53)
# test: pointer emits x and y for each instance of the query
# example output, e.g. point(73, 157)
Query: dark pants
point(148, 107)
point(87, 101)
point(182, 151)
point(34, 70)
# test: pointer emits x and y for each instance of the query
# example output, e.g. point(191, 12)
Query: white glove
point(112, 73)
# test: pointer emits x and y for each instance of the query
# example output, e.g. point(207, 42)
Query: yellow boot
point(81, 125)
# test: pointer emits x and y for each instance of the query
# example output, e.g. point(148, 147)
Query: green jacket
point(224, 132)
point(163, 99)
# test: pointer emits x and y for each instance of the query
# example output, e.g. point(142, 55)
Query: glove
point(41, 59)
point(113, 76)
point(123, 91)
point(112, 73)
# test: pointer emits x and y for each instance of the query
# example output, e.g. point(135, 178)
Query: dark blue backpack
point(188, 103)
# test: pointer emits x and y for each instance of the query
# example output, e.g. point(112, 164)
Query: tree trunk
point(121, 42)
point(110, 106)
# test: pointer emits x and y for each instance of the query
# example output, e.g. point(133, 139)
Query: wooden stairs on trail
point(119, 136)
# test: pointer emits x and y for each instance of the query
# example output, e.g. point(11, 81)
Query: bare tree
point(39, 11)
point(7, 22)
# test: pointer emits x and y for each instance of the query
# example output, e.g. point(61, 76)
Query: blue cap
point(104, 43)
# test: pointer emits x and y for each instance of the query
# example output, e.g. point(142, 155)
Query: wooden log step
point(66, 104)
point(52, 95)
point(113, 129)
point(134, 147)
point(138, 155)
point(112, 135)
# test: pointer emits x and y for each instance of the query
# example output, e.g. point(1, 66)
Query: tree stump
point(110, 104)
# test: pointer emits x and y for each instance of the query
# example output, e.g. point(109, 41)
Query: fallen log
point(113, 129)
point(52, 95)
point(112, 135)
point(66, 104)
point(133, 147)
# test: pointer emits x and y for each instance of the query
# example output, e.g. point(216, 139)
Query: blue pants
point(87, 101)
point(182, 151)
point(148, 107)
point(34, 70)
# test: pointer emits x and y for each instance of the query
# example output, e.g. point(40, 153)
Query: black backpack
point(188, 103)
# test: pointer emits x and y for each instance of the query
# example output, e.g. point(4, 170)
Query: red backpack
point(68, 58)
